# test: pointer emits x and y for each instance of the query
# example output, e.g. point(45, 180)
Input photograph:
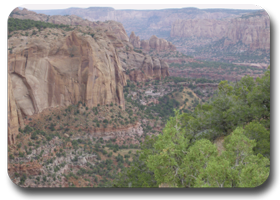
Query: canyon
point(83, 95)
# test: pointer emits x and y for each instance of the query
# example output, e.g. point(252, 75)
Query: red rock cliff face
point(50, 73)
point(252, 30)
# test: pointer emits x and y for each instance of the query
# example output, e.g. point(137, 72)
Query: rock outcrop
point(160, 44)
point(48, 72)
point(134, 40)
point(154, 43)
point(141, 67)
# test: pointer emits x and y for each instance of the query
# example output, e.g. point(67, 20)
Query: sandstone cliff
point(141, 67)
point(48, 72)
point(252, 30)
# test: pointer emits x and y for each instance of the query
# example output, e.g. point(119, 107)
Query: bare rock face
point(143, 67)
point(135, 41)
point(49, 73)
point(13, 117)
point(252, 30)
point(160, 44)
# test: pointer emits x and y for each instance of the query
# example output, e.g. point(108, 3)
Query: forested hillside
point(187, 153)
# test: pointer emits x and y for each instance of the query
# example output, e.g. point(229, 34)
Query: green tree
point(237, 166)
point(255, 130)
point(201, 165)
point(138, 174)
point(170, 148)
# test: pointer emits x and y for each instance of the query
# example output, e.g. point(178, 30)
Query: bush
point(104, 152)
point(127, 156)
point(23, 179)
point(27, 129)
point(21, 154)
point(34, 136)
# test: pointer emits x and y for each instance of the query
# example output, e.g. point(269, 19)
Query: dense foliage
point(184, 155)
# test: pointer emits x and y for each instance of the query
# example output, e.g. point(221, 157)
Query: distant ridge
point(211, 10)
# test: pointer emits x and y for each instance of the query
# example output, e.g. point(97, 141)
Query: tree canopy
point(185, 154)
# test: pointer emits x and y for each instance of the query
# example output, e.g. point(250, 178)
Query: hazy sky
point(138, 6)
